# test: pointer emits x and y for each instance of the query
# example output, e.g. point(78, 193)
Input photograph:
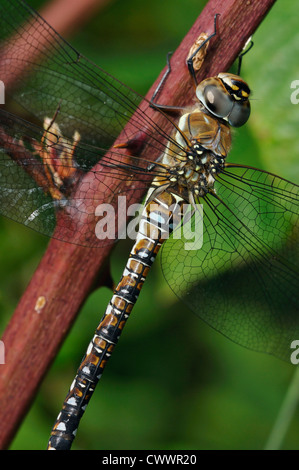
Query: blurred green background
point(173, 382)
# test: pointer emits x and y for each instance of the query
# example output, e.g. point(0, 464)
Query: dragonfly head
point(225, 96)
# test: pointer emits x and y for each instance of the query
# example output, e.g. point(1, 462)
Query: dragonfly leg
point(244, 51)
point(203, 41)
point(164, 107)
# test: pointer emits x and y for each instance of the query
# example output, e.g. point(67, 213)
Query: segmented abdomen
point(157, 221)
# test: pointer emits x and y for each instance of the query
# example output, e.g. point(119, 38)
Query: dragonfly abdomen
point(157, 222)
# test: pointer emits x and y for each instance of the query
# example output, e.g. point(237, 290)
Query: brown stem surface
point(66, 273)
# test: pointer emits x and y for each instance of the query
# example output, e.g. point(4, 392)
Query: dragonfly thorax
point(192, 176)
point(202, 139)
point(195, 175)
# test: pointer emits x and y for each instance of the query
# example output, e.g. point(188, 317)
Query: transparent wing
point(50, 79)
point(244, 280)
point(44, 73)
point(47, 184)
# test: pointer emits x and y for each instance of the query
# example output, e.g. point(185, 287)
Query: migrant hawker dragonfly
point(250, 220)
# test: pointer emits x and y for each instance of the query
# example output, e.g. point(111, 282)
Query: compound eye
point(239, 114)
point(217, 100)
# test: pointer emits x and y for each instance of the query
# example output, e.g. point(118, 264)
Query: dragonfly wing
point(244, 279)
point(48, 78)
point(68, 212)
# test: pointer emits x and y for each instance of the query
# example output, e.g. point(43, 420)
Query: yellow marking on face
point(228, 81)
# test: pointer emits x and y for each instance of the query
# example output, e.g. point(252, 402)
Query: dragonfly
point(249, 217)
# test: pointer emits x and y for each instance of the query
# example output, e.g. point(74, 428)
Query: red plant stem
point(67, 272)
point(66, 16)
